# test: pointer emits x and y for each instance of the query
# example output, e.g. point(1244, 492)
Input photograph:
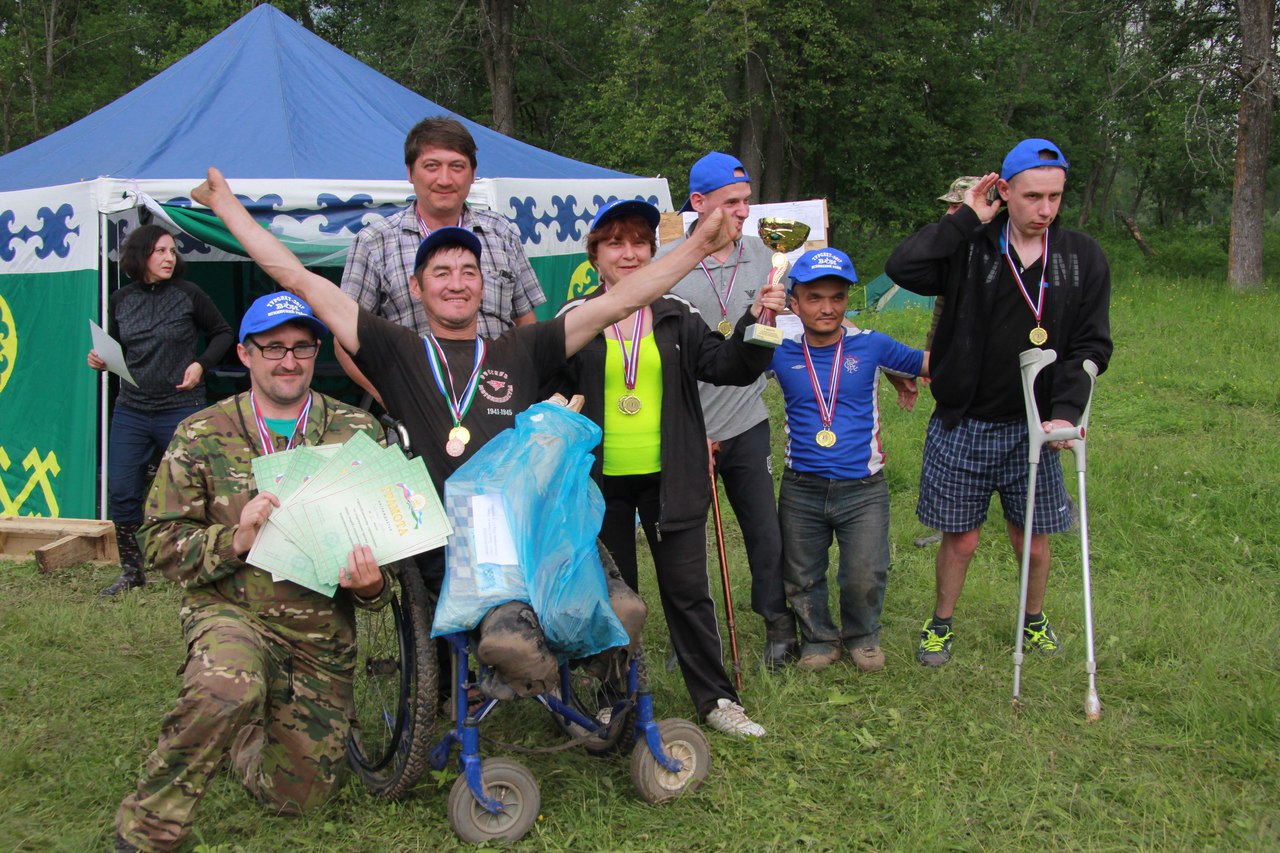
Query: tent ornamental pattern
point(53, 234)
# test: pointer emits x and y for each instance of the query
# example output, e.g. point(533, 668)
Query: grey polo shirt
point(728, 410)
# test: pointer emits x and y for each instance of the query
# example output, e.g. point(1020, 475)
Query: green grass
point(1183, 485)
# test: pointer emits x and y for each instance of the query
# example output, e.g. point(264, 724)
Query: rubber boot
point(512, 644)
point(780, 646)
point(131, 574)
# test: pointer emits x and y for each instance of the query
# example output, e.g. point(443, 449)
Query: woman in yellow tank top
point(640, 380)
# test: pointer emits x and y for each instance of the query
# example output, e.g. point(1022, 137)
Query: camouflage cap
point(955, 195)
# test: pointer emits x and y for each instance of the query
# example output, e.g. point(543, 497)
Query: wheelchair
point(398, 730)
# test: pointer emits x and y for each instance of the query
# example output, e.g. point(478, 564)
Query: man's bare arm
point(354, 373)
point(334, 308)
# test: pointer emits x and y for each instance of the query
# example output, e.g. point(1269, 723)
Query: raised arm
point(645, 285)
point(334, 308)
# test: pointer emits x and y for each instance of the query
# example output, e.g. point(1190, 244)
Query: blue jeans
point(811, 509)
point(134, 438)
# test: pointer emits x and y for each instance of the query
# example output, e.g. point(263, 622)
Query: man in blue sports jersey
point(833, 482)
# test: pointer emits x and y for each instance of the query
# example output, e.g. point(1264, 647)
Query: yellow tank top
point(633, 443)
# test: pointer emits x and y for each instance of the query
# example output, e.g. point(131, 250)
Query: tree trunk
point(775, 165)
point(1253, 142)
point(755, 119)
point(1135, 233)
point(498, 48)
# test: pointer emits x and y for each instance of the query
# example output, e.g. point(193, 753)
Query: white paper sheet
point(108, 349)
point(491, 531)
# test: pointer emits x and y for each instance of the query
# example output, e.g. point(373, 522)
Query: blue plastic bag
point(537, 477)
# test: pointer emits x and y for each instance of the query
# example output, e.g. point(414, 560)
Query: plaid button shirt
point(380, 265)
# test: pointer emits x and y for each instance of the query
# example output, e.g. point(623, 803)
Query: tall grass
point(1183, 483)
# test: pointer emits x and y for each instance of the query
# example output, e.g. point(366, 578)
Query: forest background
point(1166, 108)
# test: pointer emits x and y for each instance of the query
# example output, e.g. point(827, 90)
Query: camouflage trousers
point(281, 720)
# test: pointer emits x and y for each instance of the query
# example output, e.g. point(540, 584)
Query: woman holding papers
point(156, 318)
point(640, 380)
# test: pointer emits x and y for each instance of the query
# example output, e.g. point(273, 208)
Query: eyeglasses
point(277, 352)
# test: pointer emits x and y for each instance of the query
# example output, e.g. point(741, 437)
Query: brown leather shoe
point(869, 658)
point(818, 659)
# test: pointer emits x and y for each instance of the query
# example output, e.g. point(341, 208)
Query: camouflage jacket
point(192, 513)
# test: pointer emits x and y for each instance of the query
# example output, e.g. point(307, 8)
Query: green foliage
point(1185, 541)
point(873, 106)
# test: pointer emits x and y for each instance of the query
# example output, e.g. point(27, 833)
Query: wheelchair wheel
point(682, 740)
point(509, 783)
point(395, 688)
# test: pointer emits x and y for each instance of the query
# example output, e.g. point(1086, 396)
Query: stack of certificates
point(334, 497)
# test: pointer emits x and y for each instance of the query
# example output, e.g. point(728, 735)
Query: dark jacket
point(690, 352)
point(959, 258)
point(157, 325)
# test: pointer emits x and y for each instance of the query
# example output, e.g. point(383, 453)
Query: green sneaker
point(935, 644)
point(1038, 636)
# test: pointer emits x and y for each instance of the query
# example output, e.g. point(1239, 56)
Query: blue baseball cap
point(822, 263)
point(627, 207)
point(1031, 154)
point(712, 172)
point(276, 309)
point(450, 235)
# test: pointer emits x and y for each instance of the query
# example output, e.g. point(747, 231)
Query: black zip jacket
point(156, 325)
point(959, 258)
point(690, 352)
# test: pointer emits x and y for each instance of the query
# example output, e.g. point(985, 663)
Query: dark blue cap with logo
point(275, 309)
point(822, 263)
point(450, 235)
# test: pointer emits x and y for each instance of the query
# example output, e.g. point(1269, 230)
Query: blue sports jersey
point(856, 422)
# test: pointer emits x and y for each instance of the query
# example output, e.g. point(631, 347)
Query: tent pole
point(104, 388)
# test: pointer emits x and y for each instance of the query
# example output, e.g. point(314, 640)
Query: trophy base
point(763, 336)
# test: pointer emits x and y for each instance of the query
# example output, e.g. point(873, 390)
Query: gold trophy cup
point(781, 235)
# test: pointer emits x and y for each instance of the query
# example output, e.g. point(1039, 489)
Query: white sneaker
point(731, 718)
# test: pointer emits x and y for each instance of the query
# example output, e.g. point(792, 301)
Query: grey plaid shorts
point(963, 466)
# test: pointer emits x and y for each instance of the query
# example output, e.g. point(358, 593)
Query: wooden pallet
point(58, 542)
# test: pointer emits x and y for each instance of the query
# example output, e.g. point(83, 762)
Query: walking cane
point(724, 570)
point(1033, 361)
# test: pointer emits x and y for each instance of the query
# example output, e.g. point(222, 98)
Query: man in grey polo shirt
point(440, 156)
point(722, 289)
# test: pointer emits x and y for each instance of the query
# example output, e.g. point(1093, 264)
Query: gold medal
point(629, 404)
point(825, 438)
point(460, 434)
point(725, 328)
point(454, 447)
point(1038, 336)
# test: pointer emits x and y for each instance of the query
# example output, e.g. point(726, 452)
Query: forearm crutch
point(1033, 361)
point(724, 574)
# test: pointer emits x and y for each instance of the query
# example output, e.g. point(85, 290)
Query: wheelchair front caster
point(681, 740)
point(512, 786)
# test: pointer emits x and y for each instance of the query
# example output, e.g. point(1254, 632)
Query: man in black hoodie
point(1011, 281)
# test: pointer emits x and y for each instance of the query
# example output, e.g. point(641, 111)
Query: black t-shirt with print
point(519, 367)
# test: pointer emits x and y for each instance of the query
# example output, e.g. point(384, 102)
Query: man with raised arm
point(440, 159)
point(1011, 280)
point(270, 664)
point(453, 389)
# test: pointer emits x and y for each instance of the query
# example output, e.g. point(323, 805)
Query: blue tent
point(263, 99)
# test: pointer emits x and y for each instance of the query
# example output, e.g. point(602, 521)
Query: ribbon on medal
point(725, 327)
point(264, 434)
point(826, 410)
point(459, 405)
point(1038, 335)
